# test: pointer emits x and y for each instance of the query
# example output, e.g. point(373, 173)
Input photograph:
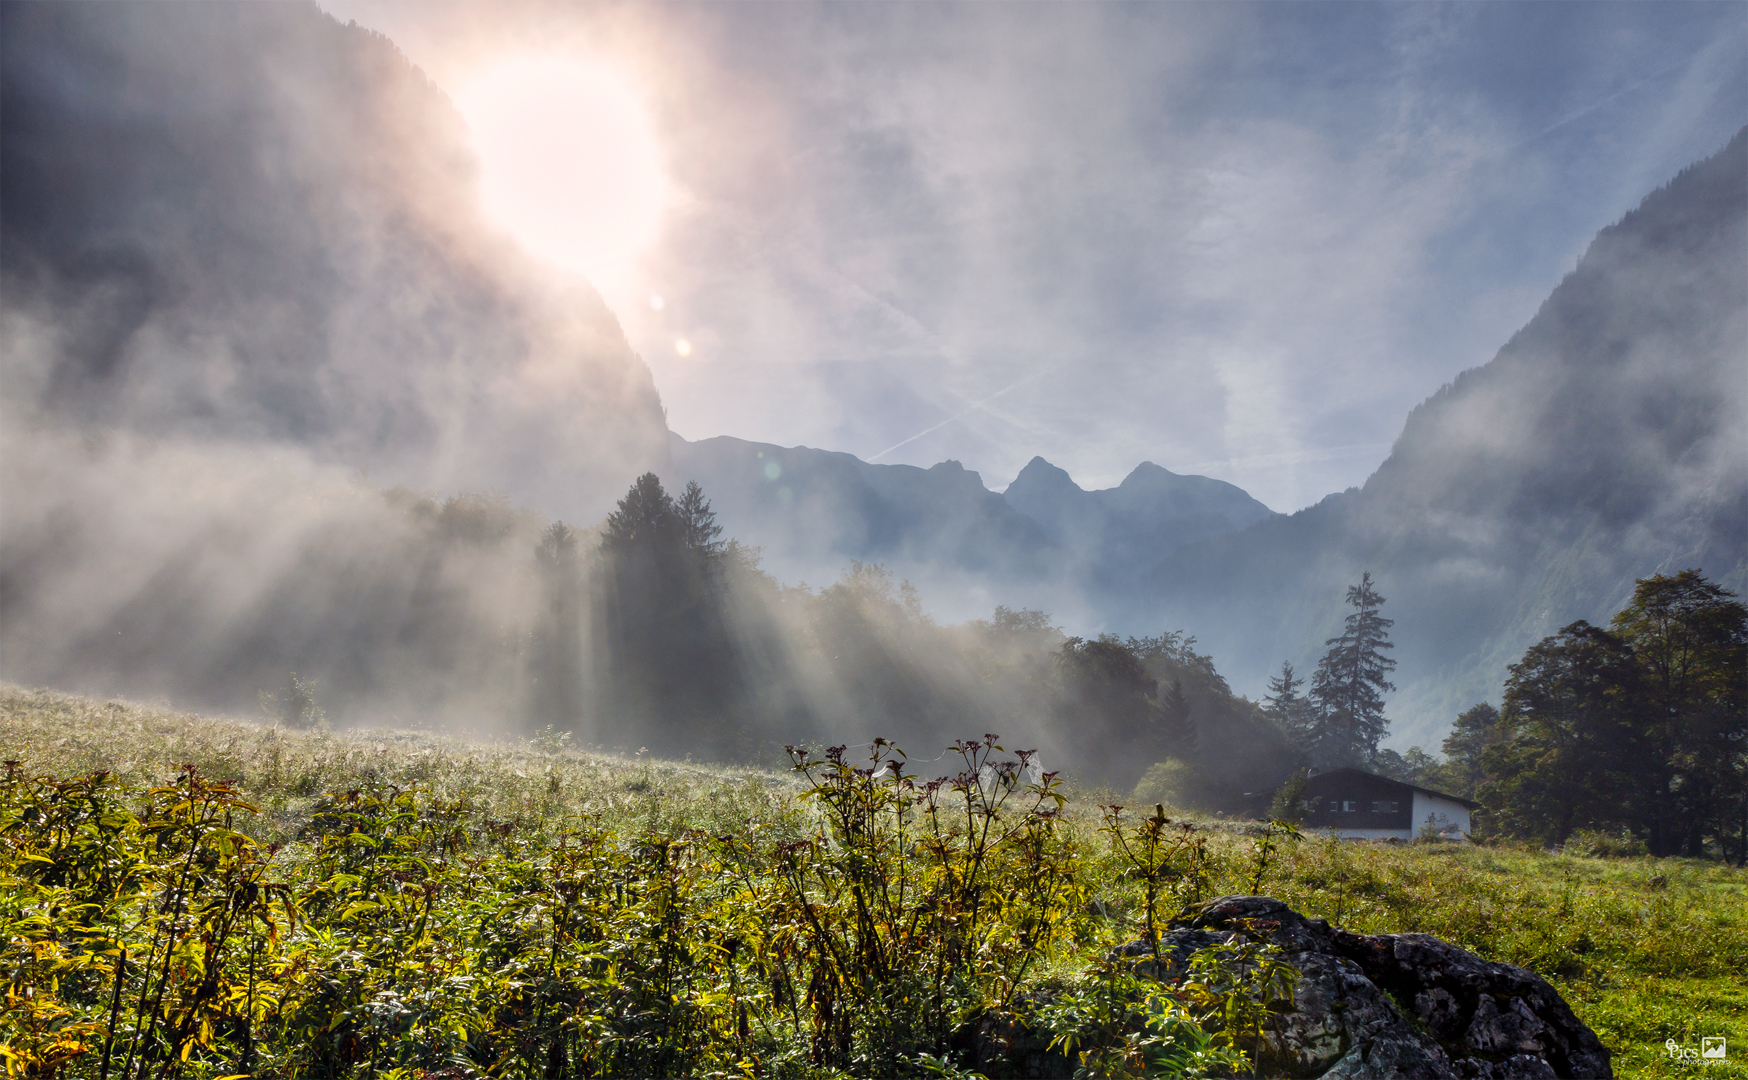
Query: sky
point(1236, 240)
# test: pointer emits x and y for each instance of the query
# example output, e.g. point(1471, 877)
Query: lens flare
point(569, 163)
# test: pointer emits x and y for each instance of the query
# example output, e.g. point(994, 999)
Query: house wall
point(1362, 790)
point(1450, 816)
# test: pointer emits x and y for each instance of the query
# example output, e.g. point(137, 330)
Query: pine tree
point(646, 518)
point(1290, 710)
point(1177, 724)
point(697, 522)
point(1349, 685)
point(670, 655)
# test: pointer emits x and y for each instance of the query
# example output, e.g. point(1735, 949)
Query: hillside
point(1603, 443)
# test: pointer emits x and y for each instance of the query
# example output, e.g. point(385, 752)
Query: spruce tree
point(1290, 710)
point(1351, 680)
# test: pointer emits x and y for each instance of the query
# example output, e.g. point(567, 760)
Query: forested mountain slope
point(1605, 442)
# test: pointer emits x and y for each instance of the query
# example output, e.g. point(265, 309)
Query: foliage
point(913, 904)
point(1475, 729)
point(295, 706)
point(1172, 782)
point(404, 927)
point(1115, 1023)
point(1642, 727)
point(1568, 707)
point(1166, 860)
point(1293, 713)
point(1288, 802)
point(1645, 949)
point(1349, 684)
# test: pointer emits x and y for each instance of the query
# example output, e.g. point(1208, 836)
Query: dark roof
point(1468, 803)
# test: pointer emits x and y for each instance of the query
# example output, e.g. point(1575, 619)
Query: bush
point(1170, 782)
point(1603, 845)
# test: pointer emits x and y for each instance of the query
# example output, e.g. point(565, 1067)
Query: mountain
point(813, 510)
point(249, 223)
point(244, 287)
point(1605, 442)
point(1117, 532)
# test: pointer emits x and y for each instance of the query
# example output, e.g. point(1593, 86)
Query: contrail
point(971, 408)
point(1622, 92)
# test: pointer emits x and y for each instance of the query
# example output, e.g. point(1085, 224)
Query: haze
point(1236, 240)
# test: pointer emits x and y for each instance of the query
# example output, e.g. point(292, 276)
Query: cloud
point(1233, 233)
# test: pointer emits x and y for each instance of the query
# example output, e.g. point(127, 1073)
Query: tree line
point(1637, 730)
point(656, 632)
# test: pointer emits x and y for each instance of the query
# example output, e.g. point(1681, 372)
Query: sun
point(569, 162)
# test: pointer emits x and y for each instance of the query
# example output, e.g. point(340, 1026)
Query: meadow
point(195, 896)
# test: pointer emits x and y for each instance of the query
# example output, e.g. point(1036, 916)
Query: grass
point(1645, 950)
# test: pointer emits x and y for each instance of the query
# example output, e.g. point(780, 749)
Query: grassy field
point(1645, 950)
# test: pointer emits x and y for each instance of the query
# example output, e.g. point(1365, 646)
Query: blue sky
point(1238, 240)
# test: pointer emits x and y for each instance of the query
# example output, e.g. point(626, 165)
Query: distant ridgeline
point(810, 510)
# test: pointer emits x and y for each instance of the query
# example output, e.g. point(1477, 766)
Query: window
point(1384, 806)
point(1334, 806)
point(1377, 807)
point(1350, 805)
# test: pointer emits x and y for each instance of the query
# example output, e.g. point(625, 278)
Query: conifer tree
point(697, 522)
point(1291, 711)
point(1350, 682)
point(1177, 724)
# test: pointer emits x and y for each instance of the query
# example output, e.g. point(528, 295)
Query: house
point(1357, 805)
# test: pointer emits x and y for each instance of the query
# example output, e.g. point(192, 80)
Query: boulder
point(1389, 1005)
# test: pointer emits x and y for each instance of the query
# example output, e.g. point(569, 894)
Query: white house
point(1364, 806)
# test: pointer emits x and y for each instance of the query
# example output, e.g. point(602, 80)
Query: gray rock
point(1390, 1005)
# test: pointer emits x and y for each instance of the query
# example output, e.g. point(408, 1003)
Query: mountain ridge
point(808, 507)
point(1602, 443)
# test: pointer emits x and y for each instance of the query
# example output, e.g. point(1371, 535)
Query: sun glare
point(568, 161)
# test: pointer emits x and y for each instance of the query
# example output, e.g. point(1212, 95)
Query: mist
point(252, 224)
point(277, 401)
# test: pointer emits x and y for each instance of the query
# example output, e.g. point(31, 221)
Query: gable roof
point(1466, 803)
